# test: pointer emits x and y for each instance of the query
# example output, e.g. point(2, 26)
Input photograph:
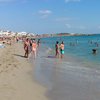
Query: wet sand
point(66, 81)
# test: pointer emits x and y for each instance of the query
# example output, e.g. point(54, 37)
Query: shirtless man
point(62, 49)
point(26, 47)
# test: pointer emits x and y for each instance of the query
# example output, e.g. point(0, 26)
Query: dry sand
point(16, 81)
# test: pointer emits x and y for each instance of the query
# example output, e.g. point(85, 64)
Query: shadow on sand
point(19, 55)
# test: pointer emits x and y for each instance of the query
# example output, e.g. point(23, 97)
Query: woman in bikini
point(34, 48)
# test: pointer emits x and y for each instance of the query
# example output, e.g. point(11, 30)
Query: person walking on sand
point(62, 49)
point(57, 49)
point(34, 48)
point(26, 47)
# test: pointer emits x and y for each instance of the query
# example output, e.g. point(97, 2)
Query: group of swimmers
point(30, 47)
point(59, 49)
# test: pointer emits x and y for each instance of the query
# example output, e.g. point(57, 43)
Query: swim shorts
point(62, 51)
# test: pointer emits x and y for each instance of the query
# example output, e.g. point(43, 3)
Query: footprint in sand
point(9, 64)
point(1, 71)
point(6, 66)
point(15, 66)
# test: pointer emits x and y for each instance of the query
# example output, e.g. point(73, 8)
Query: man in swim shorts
point(62, 49)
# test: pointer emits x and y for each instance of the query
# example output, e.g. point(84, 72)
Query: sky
point(50, 16)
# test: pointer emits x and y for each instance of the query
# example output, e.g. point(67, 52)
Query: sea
point(77, 75)
point(78, 49)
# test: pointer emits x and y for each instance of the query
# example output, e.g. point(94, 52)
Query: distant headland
point(35, 35)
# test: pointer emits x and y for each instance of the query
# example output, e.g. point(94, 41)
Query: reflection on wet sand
point(66, 82)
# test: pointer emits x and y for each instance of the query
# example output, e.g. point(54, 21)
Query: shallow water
point(66, 79)
point(79, 48)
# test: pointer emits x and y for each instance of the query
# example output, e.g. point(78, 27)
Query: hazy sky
point(50, 16)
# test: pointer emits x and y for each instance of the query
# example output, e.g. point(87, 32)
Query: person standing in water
point(62, 49)
point(57, 49)
point(38, 42)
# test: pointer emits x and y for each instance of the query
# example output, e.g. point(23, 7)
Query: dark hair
point(62, 42)
point(57, 42)
point(27, 39)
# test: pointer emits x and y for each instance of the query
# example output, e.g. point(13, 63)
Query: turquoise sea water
point(78, 49)
point(77, 76)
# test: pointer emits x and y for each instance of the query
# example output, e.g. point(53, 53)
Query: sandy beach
point(16, 81)
point(45, 78)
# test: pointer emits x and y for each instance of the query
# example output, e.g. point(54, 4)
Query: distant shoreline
point(60, 35)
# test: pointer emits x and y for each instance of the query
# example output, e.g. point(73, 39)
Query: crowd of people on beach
point(30, 47)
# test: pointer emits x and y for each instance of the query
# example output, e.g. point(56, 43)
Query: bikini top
point(34, 45)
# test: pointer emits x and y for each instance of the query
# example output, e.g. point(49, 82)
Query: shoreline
point(64, 80)
point(16, 81)
point(45, 78)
